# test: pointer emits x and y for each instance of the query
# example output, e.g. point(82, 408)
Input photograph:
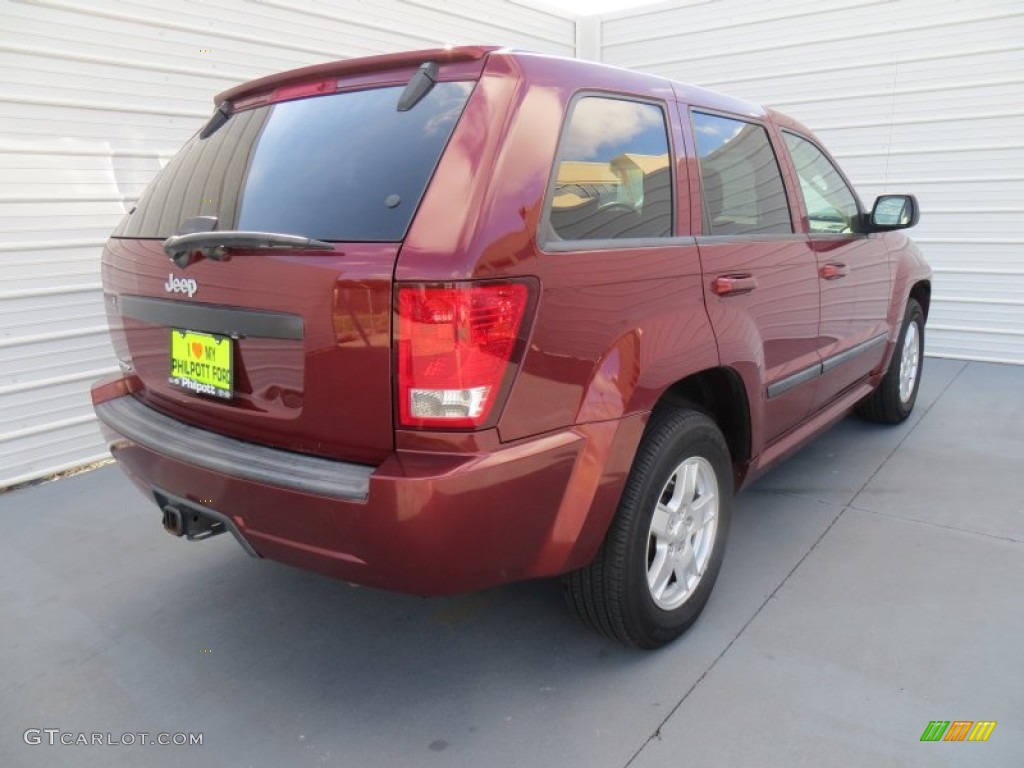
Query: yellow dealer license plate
point(201, 363)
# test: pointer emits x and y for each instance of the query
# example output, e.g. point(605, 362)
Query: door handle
point(833, 271)
point(733, 285)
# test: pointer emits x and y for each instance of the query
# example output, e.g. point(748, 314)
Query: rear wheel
point(654, 572)
point(894, 398)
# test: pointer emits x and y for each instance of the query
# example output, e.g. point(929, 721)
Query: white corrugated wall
point(95, 96)
point(921, 96)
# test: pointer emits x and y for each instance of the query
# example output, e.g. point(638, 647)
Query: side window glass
point(740, 178)
point(831, 204)
point(613, 176)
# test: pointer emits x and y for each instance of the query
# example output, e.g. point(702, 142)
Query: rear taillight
point(455, 343)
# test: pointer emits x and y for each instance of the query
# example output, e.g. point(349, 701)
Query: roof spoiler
point(354, 67)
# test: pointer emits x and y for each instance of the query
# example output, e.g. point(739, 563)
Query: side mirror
point(894, 212)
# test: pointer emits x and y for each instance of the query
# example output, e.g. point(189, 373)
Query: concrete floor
point(873, 583)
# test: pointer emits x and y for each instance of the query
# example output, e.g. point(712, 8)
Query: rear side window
point(347, 166)
point(741, 183)
point(613, 176)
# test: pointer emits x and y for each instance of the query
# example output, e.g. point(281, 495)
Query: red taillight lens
point(455, 343)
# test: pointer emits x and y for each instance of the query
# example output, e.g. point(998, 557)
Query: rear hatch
point(280, 341)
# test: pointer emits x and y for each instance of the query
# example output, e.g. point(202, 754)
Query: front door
point(853, 272)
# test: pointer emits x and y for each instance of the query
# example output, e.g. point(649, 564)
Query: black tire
point(612, 594)
point(886, 405)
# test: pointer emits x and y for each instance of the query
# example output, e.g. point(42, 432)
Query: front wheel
point(654, 572)
point(894, 398)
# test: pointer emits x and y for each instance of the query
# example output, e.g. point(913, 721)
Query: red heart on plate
point(197, 349)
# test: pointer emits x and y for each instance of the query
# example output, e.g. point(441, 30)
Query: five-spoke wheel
point(682, 533)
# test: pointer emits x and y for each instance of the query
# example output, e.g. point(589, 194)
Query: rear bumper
point(246, 461)
point(422, 523)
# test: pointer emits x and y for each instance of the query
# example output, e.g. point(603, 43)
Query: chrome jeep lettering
point(181, 285)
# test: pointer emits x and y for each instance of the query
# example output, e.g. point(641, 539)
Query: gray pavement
point(873, 583)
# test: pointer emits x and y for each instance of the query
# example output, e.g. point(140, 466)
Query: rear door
point(288, 347)
point(761, 280)
point(853, 272)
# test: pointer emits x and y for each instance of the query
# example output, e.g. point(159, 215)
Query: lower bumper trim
point(141, 424)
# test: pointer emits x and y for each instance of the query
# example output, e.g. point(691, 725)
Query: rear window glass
point(740, 178)
point(348, 166)
point(613, 179)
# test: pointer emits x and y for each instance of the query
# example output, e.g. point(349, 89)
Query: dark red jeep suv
point(441, 320)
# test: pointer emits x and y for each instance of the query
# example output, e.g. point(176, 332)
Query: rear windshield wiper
point(419, 85)
point(189, 248)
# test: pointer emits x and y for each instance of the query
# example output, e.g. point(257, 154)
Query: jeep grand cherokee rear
point(269, 357)
point(443, 320)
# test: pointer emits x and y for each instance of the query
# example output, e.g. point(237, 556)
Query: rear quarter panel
point(613, 327)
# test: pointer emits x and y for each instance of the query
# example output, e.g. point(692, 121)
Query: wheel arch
point(720, 393)
point(921, 291)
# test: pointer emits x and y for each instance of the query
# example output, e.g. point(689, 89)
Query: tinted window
point(347, 166)
point(740, 178)
point(831, 204)
point(613, 176)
